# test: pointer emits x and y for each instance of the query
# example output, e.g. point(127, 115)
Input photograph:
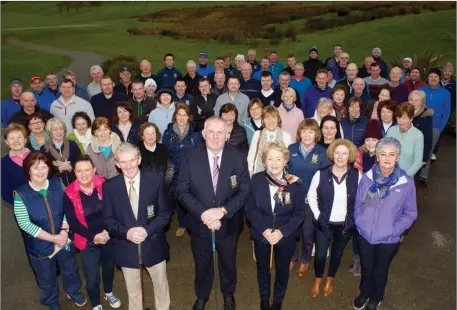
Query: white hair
point(239, 56)
point(388, 142)
point(96, 68)
point(214, 119)
point(126, 147)
point(325, 102)
point(191, 62)
point(55, 122)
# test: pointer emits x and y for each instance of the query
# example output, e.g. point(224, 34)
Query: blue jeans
point(45, 270)
point(91, 258)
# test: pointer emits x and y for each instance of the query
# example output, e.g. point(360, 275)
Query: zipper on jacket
point(46, 202)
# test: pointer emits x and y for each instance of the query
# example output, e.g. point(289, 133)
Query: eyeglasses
point(36, 123)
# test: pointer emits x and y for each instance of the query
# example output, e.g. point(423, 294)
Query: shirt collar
point(135, 178)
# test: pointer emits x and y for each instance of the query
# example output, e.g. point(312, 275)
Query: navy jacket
point(451, 87)
point(424, 122)
point(12, 177)
point(250, 87)
point(354, 132)
point(106, 107)
point(326, 194)
point(207, 109)
point(132, 137)
point(195, 190)
point(187, 99)
point(288, 216)
point(168, 76)
point(45, 212)
point(153, 215)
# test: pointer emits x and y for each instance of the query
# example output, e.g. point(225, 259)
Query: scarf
point(180, 135)
point(288, 109)
point(340, 111)
point(281, 184)
point(381, 183)
point(58, 154)
point(263, 140)
point(34, 141)
point(83, 139)
point(352, 120)
point(254, 125)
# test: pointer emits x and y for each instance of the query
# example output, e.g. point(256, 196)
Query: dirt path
point(82, 60)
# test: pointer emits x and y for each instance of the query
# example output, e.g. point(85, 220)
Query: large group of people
point(322, 152)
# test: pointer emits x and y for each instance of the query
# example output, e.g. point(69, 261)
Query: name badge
point(234, 181)
point(314, 159)
point(150, 211)
point(287, 198)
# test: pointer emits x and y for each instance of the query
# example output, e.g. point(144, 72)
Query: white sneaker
point(433, 157)
point(113, 301)
point(99, 307)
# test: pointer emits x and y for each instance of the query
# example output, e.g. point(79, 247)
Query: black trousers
point(375, 260)
point(307, 238)
point(204, 267)
point(282, 255)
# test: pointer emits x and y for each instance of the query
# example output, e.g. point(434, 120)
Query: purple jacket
point(312, 96)
point(384, 221)
point(400, 93)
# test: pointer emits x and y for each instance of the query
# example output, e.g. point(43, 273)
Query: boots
point(303, 270)
point(315, 288)
point(276, 305)
point(328, 287)
point(264, 304)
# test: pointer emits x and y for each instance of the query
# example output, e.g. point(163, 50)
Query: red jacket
point(72, 192)
point(409, 84)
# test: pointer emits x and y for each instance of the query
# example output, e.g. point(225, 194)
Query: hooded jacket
point(439, 99)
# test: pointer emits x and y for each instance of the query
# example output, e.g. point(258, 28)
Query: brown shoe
point(315, 288)
point(303, 270)
point(328, 287)
point(180, 232)
point(291, 266)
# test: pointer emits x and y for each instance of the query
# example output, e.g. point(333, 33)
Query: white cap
point(408, 59)
point(150, 82)
point(239, 56)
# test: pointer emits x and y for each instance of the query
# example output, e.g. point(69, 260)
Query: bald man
point(28, 106)
point(351, 74)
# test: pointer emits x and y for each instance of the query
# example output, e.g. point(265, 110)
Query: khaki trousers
point(158, 275)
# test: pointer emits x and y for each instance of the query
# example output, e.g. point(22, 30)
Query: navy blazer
point(132, 137)
point(288, 217)
point(153, 214)
point(196, 194)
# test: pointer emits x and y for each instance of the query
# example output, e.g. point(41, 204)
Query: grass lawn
point(103, 30)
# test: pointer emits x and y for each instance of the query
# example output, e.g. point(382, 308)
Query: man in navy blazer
point(136, 211)
point(213, 186)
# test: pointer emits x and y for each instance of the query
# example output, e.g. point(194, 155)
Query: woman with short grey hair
point(385, 207)
point(324, 107)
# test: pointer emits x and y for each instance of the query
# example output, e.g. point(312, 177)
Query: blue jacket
point(9, 107)
point(44, 99)
point(153, 215)
point(132, 137)
point(288, 216)
point(256, 76)
point(205, 71)
point(277, 67)
point(45, 212)
point(439, 100)
point(355, 131)
point(12, 177)
point(255, 66)
point(337, 76)
point(301, 87)
point(81, 92)
point(305, 168)
point(250, 87)
point(176, 147)
point(161, 117)
point(168, 76)
point(312, 96)
point(250, 130)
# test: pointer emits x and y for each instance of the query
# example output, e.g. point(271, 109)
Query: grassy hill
point(103, 30)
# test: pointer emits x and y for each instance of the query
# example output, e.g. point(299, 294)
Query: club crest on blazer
point(287, 198)
point(233, 181)
point(150, 211)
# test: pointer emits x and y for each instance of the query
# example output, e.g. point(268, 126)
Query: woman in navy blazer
point(125, 125)
point(275, 220)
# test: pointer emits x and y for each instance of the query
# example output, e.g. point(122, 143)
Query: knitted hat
point(376, 49)
point(435, 70)
point(313, 48)
point(16, 81)
point(165, 91)
point(373, 130)
point(150, 82)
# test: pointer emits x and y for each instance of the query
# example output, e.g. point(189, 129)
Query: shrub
point(424, 62)
point(111, 66)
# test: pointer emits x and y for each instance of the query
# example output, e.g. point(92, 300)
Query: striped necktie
point(215, 172)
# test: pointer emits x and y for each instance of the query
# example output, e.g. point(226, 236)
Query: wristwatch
point(223, 210)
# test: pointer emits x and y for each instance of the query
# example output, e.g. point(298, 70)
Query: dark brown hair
point(186, 108)
point(227, 108)
point(83, 115)
point(404, 108)
point(340, 88)
point(355, 99)
point(99, 122)
point(34, 158)
point(389, 105)
point(36, 115)
point(126, 106)
point(386, 87)
point(145, 126)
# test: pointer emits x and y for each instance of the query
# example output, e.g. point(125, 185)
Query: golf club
point(213, 241)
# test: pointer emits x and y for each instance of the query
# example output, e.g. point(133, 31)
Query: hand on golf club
point(272, 237)
point(213, 225)
point(136, 234)
point(212, 214)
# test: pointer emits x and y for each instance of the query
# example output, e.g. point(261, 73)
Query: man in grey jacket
point(68, 104)
point(240, 100)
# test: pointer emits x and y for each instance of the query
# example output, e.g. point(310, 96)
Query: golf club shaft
point(213, 244)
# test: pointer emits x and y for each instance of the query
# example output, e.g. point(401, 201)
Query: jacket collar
point(401, 180)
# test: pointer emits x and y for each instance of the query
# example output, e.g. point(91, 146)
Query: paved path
point(82, 60)
point(422, 276)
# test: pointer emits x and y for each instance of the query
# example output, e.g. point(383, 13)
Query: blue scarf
point(382, 183)
point(34, 142)
point(288, 109)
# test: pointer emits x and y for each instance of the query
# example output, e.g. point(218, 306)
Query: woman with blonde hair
point(291, 116)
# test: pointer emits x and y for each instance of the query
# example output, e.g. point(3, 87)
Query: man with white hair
point(399, 91)
point(191, 78)
point(383, 65)
point(125, 82)
point(219, 87)
point(214, 206)
point(351, 74)
point(94, 87)
point(136, 213)
point(145, 72)
point(248, 86)
point(203, 68)
point(360, 90)
point(252, 61)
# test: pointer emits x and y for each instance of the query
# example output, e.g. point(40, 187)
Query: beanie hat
point(314, 48)
point(435, 71)
point(376, 49)
point(165, 90)
point(150, 82)
point(16, 81)
point(373, 130)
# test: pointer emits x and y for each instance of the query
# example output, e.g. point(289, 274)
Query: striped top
point(22, 215)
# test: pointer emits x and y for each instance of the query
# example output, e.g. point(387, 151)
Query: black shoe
point(276, 305)
point(373, 305)
point(360, 302)
point(264, 304)
point(229, 303)
point(199, 304)
point(423, 182)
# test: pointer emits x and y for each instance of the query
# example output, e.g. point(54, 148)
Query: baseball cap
point(35, 77)
point(203, 54)
point(16, 81)
point(123, 69)
point(408, 59)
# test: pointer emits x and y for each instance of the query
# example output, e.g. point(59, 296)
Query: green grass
point(17, 62)
point(103, 30)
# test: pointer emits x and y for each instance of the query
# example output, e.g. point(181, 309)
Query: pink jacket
point(291, 120)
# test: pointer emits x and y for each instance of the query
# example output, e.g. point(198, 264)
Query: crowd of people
point(319, 151)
